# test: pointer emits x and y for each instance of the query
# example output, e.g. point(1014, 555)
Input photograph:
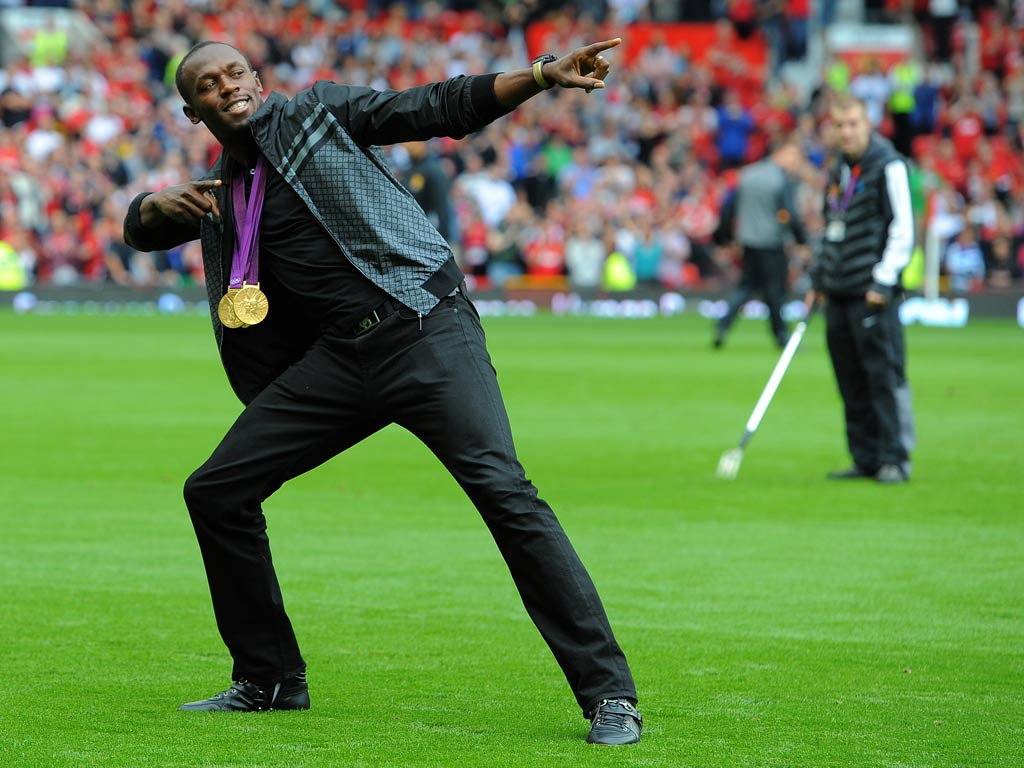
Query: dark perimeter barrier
point(946, 311)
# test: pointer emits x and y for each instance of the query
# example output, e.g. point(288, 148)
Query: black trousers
point(765, 271)
point(434, 377)
point(866, 345)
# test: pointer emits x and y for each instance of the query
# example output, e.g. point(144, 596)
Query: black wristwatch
point(538, 69)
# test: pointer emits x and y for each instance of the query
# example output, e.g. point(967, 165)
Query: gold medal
point(250, 304)
point(226, 310)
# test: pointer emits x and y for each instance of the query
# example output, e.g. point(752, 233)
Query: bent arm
point(143, 233)
point(789, 204)
point(160, 220)
point(900, 240)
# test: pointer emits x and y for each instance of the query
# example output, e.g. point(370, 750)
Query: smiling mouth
point(237, 106)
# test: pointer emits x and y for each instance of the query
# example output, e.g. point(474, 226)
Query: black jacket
point(324, 142)
point(872, 252)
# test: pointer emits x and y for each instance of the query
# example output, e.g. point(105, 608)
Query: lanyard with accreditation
point(835, 230)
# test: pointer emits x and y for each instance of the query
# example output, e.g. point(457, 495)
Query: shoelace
point(614, 719)
point(238, 687)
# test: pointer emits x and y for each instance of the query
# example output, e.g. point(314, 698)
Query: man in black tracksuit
point(869, 235)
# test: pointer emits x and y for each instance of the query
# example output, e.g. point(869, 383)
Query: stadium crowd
point(623, 188)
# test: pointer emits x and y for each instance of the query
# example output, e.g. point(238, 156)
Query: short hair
point(787, 141)
point(846, 101)
point(179, 73)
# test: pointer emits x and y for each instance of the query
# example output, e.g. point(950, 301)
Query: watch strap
point(538, 75)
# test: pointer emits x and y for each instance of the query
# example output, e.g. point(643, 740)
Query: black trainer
point(246, 696)
point(855, 472)
point(615, 722)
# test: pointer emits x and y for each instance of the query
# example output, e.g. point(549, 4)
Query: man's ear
point(256, 76)
point(191, 114)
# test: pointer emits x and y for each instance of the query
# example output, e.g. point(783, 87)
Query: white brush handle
point(776, 377)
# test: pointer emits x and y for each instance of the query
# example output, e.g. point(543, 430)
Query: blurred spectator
point(772, 24)
point(735, 125)
point(648, 252)
point(743, 15)
point(489, 188)
point(942, 15)
point(964, 262)
point(905, 77)
point(795, 18)
point(82, 132)
point(13, 276)
point(505, 259)
point(619, 274)
point(926, 103)
point(872, 86)
point(425, 177)
point(545, 249)
point(584, 254)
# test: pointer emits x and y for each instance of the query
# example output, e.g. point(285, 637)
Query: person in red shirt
point(966, 128)
point(948, 163)
point(545, 252)
point(797, 13)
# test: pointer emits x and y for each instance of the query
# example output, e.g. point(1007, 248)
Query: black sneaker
point(852, 473)
point(615, 722)
point(246, 696)
point(891, 474)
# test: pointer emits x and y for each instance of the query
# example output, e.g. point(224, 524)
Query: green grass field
point(776, 620)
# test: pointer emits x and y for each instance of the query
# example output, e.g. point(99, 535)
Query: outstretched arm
point(584, 68)
point(457, 106)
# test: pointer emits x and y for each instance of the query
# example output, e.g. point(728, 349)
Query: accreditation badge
point(835, 231)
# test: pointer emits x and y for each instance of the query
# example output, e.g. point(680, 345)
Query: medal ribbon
point(245, 265)
point(851, 185)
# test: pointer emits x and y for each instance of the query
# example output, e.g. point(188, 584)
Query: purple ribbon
point(245, 265)
point(851, 185)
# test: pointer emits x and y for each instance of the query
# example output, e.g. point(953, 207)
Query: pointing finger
point(595, 48)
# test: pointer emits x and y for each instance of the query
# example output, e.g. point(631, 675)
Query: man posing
point(869, 235)
point(338, 309)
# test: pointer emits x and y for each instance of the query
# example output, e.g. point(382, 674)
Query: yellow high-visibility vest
point(49, 46)
point(618, 273)
point(12, 272)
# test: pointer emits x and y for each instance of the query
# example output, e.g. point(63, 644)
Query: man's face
point(222, 90)
point(852, 130)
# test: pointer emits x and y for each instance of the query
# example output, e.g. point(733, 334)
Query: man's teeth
point(238, 106)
